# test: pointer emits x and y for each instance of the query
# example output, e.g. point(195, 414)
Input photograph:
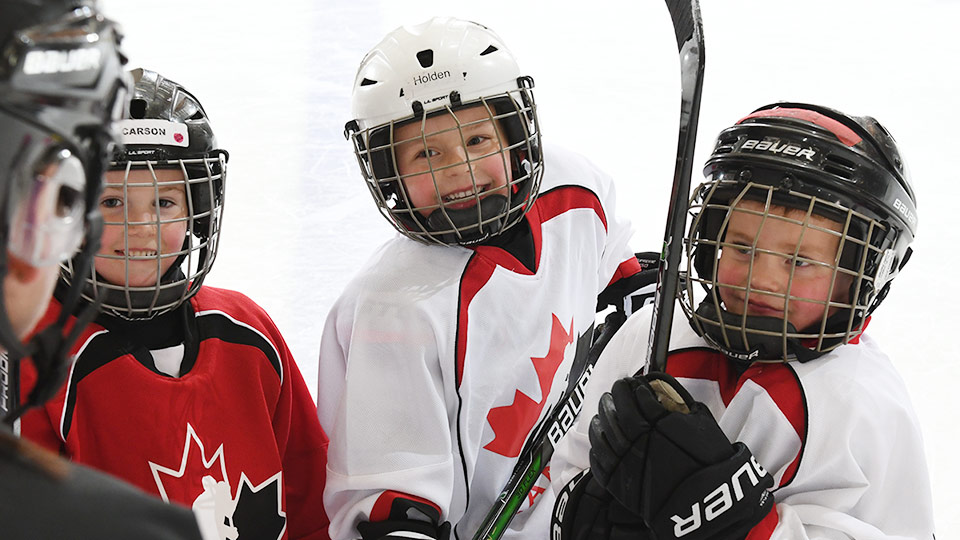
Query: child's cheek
point(173, 236)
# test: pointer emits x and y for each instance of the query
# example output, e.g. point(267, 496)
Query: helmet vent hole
point(488, 50)
point(839, 166)
point(138, 108)
point(197, 115)
point(425, 57)
point(367, 82)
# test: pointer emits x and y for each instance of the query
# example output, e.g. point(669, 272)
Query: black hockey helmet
point(62, 86)
point(169, 129)
point(819, 162)
point(440, 67)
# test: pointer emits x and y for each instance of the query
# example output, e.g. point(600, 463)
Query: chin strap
point(764, 337)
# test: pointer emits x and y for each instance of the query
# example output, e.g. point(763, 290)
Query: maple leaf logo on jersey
point(512, 423)
point(256, 511)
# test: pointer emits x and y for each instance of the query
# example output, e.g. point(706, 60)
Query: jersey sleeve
point(382, 402)
point(618, 264)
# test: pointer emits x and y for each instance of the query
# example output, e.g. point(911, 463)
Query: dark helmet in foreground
point(440, 67)
point(62, 85)
point(817, 163)
point(168, 130)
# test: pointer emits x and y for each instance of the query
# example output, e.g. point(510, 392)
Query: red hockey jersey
point(235, 436)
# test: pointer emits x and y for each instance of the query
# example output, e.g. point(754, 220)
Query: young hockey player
point(458, 336)
point(775, 415)
point(187, 391)
point(61, 87)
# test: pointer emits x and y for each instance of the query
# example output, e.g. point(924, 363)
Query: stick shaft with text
point(688, 27)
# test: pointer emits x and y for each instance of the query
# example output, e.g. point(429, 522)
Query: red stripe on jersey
point(705, 364)
point(564, 198)
point(778, 381)
point(548, 205)
point(475, 276)
point(381, 508)
point(764, 529)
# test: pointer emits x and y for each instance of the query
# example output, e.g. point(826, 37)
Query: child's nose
point(456, 164)
point(767, 274)
point(141, 219)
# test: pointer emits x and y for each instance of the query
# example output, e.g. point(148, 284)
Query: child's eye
point(477, 139)
point(740, 249)
point(425, 154)
point(167, 203)
point(111, 202)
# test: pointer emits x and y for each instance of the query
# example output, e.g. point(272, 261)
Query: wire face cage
point(776, 274)
point(458, 175)
point(161, 232)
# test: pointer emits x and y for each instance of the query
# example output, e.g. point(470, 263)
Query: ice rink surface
point(276, 77)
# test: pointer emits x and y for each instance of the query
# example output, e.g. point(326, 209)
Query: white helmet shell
point(408, 66)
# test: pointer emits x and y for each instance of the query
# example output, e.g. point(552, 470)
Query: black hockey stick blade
point(688, 28)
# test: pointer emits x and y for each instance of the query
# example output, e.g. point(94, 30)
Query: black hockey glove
point(662, 455)
point(586, 511)
point(631, 293)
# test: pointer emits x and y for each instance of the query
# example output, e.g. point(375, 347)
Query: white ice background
point(275, 78)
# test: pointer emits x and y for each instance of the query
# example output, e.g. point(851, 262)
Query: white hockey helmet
point(439, 67)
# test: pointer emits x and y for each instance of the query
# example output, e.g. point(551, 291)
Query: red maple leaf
point(512, 423)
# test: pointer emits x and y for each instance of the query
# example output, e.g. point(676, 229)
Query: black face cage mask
point(491, 214)
point(865, 254)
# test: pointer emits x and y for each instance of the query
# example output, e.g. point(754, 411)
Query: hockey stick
point(539, 447)
point(688, 27)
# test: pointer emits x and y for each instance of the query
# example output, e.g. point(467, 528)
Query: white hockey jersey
point(838, 434)
point(437, 362)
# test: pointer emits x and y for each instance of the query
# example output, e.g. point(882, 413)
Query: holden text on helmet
point(429, 77)
point(44, 62)
point(785, 148)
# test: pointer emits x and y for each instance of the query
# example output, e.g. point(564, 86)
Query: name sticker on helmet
point(52, 61)
point(430, 77)
point(154, 132)
point(776, 147)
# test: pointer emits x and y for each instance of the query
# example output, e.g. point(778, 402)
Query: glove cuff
point(723, 501)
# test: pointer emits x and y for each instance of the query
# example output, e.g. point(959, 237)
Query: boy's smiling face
point(446, 150)
point(770, 283)
point(147, 242)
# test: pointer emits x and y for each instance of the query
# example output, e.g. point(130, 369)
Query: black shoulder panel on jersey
point(215, 324)
point(100, 350)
